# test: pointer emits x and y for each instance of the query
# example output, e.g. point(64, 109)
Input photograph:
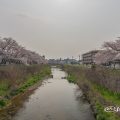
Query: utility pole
point(79, 57)
point(72, 57)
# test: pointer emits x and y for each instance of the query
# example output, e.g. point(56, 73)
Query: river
point(56, 99)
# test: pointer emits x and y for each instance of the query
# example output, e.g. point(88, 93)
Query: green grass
point(46, 71)
point(2, 103)
point(35, 74)
point(3, 88)
point(79, 76)
point(107, 94)
point(71, 78)
point(102, 115)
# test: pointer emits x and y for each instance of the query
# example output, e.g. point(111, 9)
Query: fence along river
point(56, 99)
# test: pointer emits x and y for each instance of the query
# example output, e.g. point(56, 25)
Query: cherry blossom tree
point(11, 49)
point(113, 45)
point(109, 53)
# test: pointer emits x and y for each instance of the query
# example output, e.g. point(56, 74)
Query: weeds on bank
point(114, 97)
point(15, 79)
point(71, 78)
point(102, 115)
point(34, 79)
point(78, 75)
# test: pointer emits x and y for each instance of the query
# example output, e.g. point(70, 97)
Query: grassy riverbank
point(17, 79)
point(97, 94)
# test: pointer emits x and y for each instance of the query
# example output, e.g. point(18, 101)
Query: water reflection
point(56, 99)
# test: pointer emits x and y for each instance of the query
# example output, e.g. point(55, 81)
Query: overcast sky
point(60, 28)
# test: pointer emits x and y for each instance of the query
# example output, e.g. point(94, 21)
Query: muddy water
point(56, 99)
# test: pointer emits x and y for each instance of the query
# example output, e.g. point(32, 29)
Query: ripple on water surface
point(56, 99)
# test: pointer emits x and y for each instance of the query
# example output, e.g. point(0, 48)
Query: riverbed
point(56, 99)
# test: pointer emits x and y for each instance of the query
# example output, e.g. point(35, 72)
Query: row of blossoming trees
point(10, 49)
point(110, 54)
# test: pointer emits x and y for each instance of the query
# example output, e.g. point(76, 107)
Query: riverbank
point(25, 79)
point(56, 99)
point(98, 95)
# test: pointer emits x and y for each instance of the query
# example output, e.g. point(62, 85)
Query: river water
point(56, 99)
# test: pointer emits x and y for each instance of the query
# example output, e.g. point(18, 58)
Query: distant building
point(115, 63)
point(9, 60)
point(70, 61)
point(62, 62)
point(89, 57)
point(52, 61)
point(80, 61)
